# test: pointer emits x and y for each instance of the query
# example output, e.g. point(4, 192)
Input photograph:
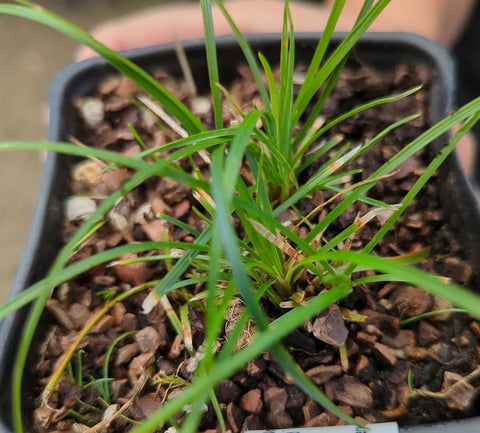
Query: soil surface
point(438, 356)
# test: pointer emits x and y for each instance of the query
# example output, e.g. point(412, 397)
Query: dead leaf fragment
point(140, 365)
point(43, 416)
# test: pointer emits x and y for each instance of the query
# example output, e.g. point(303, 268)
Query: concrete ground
point(30, 56)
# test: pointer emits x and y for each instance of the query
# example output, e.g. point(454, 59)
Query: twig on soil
point(76, 141)
point(68, 354)
point(185, 66)
point(452, 389)
point(237, 111)
point(135, 392)
point(163, 115)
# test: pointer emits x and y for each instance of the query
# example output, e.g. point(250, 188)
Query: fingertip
point(84, 53)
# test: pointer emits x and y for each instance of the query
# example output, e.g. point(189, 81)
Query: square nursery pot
point(377, 51)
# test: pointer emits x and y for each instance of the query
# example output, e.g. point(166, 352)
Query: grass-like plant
point(267, 259)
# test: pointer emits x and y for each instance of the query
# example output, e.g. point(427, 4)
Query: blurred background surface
point(30, 56)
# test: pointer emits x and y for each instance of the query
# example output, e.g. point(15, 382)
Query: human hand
point(184, 21)
point(181, 21)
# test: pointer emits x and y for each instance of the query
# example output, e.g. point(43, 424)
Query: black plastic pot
point(379, 51)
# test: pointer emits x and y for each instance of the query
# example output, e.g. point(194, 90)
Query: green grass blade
point(211, 317)
point(458, 296)
point(422, 180)
point(254, 212)
point(322, 46)
point(249, 55)
point(185, 147)
point(348, 114)
point(428, 314)
point(62, 258)
point(228, 238)
point(305, 135)
point(366, 106)
point(416, 145)
point(228, 179)
point(168, 282)
point(195, 412)
point(287, 64)
point(211, 51)
point(212, 137)
point(238, 148)
point(105, 390)
point(73, 149)
point(361, 191)
point(222, 192)
point(315, 64)
point(314, 67)
point(180, 224)
point(124, 66)
point(31, 293)
point(39, 304)
point(335, 59)
point(316, 154)
point(272, 89)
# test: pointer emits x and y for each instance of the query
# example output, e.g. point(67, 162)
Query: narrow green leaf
point(335, 59)
point(470, 114)
point(249, 55)
point(123, 65)
point(211, 51)
point(361, 191)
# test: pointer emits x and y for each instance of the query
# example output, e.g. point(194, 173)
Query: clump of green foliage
point(268, 259)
